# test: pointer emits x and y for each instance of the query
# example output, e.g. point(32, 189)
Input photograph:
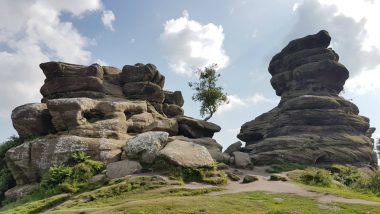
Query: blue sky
point(180, 36)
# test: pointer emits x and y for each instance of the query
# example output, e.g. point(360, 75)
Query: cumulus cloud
point(108, 18)
point(189, 45)
point(348, 37)
point(32, 32)
point(236, 102)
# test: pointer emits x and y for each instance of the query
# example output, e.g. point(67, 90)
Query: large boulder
point(233, 148)
point(31, 120)
point(193, 128)
point(174, 98)
point(186, 154)
point(29, 161)
point(171, 110)
point(144, 91)
point(142, 73)
point(312, 124)
point(145, 146)
point(213, 147)
point(122, 168)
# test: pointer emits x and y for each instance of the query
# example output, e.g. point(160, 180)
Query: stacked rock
point(99, 110)
point(311, 124)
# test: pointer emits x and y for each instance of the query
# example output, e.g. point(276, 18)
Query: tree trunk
point(208, 117)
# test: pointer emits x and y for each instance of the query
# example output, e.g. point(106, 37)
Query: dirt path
point(284, 187)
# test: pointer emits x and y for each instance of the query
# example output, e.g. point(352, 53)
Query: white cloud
point(236, 102)
point(365, 82)
point(32, 32)
point(355, 35)
point(108, 18)
point(189, 45)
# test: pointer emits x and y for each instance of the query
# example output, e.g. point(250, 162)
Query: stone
point(31, 120)
point(144, 91)
point(171, 110)
point(122, 168)
point(232, 176)
point(277, 178)
point(174, 98)
point(233, 148)
point(312, 124)
point(193, 128)
point(249, 179)
point(61, 69)
point(145, 146)
point(97, 178)
point(21, 191)
point(32, 159)
point(186, 154)
point(213, 147)
point(242, 160)
point(142, 73)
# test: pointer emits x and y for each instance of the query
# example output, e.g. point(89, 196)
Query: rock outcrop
point(100, 110)
point(312, 123)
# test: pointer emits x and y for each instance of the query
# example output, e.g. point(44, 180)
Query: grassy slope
point(141, 195)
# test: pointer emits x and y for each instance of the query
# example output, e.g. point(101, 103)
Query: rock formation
point(312, 123)
point(98, 110)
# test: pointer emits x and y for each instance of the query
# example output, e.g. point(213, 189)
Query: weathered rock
point(174, 98)
point(144, 91)
point(233, 148)
point(20, 191)
point(311, 124)
point(186, 154)
point(60, 69)
point(32, 120)
point(193, 128)
point(142, 73)
point(122, 168)
point(213, 147)
point(242, 160)
point(97, 178)
point(29, 161)
point(145, 146)
point(249, 179)
point(171, 110)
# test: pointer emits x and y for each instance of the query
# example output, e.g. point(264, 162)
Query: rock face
point(312, 123)
point(100, 110)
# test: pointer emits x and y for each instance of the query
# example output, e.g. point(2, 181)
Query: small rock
point(277, 178)
point(21, 191)
point(233, 176)
point(97, 178)
point(233, 148)
point(222, 166)
point(122, 168)
point(249, 179)
point(242, 160)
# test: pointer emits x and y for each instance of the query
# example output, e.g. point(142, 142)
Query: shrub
point(6, 179)
point(346, 175)
point(316, 176)
point(72, 178)
point(369, 182)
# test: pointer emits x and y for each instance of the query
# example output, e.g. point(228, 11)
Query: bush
point(316, 176)
point(369, 182)
point(71, 178)
point(6, 179)
point(346, 175)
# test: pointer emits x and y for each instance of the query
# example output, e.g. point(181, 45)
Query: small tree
point(206, 91)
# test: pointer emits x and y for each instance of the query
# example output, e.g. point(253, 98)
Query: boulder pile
point(122, 117)
point(312, 124)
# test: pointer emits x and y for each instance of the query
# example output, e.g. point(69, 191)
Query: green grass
point(145, 194)
point(285, 167)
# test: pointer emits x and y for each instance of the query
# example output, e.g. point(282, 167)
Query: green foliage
point(285, 167)
point(369, 182)
point(71, 178)
point(210, 175)
point(6, 179)
point(346, 175)
point(207, 92)
point(316, 176)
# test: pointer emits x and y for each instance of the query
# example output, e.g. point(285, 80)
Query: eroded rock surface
point(100, 110)
point(312, 123)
